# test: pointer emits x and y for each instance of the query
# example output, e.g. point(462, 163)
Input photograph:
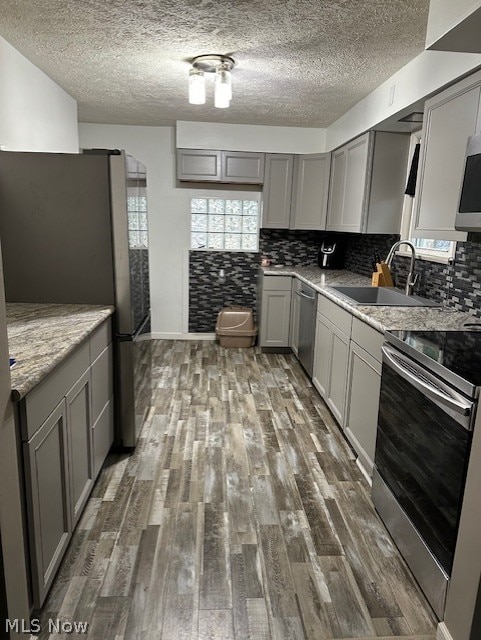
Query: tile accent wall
point(208, 294)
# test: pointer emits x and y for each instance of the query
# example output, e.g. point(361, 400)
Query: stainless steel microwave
point(468, 217)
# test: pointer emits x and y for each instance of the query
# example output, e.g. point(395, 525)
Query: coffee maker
point(331, 254)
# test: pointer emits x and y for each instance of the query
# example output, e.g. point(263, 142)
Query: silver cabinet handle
point(427, 384)
point(301, 293)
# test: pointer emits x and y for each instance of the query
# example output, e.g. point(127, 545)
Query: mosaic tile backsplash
point(458, 286)
point(208, 293)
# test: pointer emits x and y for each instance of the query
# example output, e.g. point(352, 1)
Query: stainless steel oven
point(429, 391)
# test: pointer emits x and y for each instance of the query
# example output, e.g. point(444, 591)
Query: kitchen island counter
point(41, 336)
point(382, 318)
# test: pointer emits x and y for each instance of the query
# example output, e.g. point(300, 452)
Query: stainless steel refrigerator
point(73, 228)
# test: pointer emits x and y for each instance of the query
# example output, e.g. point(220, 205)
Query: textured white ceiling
point(299, 62)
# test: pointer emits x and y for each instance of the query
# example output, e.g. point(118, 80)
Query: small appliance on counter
point(331, 254)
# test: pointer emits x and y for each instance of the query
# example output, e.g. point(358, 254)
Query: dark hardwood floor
point(241, 516)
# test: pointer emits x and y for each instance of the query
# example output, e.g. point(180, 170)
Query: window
point(426, 248)
point(225, 224)
point(137, 215)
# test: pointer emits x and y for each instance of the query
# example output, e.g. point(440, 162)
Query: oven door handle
point(440, 393)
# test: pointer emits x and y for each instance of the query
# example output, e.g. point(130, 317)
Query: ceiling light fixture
point(211, 63)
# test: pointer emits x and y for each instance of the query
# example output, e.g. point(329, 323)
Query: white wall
point(445, 14)
point(421, 77)
point(35, 113)
point(169, 218)
point(245, 137)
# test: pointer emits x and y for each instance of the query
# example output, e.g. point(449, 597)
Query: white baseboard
point(182, 336)
point(442, 632)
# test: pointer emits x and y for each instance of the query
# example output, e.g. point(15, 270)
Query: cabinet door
point(339, 358)
point(198, 165)
point(102, 436)
point(357, 177)
point(322, 355)
point(244, 167)
point(276, 311)
point(48, 496)
point(349, 184)
point(311, 186)
point(450, 118)
point(277, 191)
point(363, 388)
point(336, 189)
point(79, 430)
point(295, 311)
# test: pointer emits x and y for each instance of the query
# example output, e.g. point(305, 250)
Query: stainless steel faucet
point(412, 278)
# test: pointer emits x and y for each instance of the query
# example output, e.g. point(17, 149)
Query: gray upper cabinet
point(203, 165)
point(242, 167)
point(367, 183)
point(277, 192)
point(311, 186)
point(198, 165)
point(296, 191)
point(449, 119)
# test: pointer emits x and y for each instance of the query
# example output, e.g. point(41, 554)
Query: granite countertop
point(41, 336)
point(380, 317)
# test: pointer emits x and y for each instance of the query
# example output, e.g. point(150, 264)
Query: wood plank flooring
point(241, 516)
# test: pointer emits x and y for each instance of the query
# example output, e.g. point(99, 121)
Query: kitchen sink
point(382, 296)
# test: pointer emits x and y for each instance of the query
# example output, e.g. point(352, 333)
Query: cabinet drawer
point(39, 402)
point(277, 283)
point(368, 338)
point(103, 436)
point(100, 338)
point(339, 317)
point(102, 382)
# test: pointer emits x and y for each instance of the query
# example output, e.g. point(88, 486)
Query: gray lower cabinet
point(275, 311)
point(363, 388)
point(336, 395)
point(102, 407)
point(48, 499)
point(67, 425)
point(322, 355)
point(331, 355)
point(79, 437)
point(347, 374)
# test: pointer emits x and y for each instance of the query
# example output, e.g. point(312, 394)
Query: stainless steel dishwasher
point(307, 326)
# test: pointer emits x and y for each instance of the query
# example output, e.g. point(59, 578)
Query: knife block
point(382, 277)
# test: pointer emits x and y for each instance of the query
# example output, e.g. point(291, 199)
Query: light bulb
point(223, 87)
point(196, 86)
